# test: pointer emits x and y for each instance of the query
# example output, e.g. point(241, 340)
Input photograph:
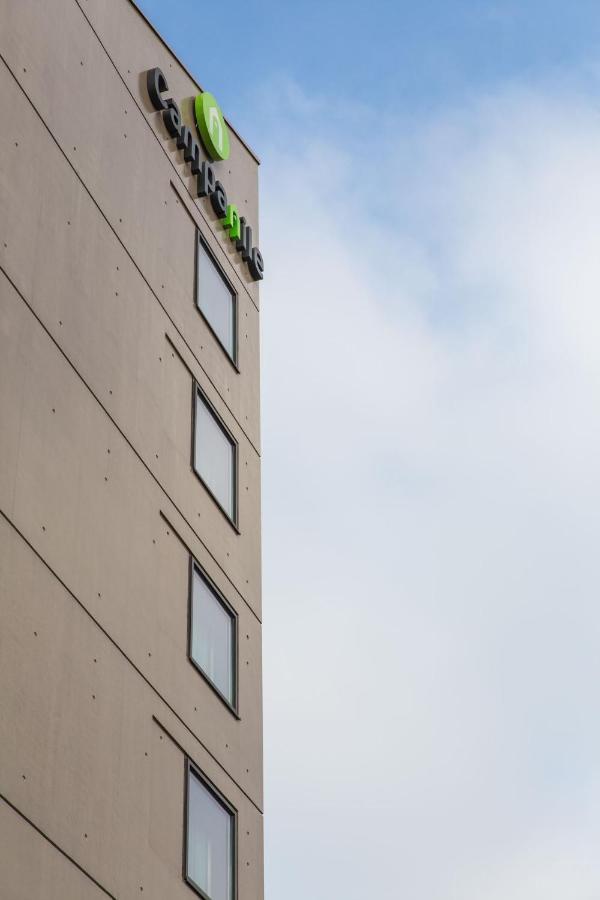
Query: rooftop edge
point(189, 74)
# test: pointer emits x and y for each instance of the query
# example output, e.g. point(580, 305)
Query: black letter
point(172, 120)
point(191, 150)
point(256, 264)
point(244, 244)
point(218, 198)
point(156, 84)
point(206, 180)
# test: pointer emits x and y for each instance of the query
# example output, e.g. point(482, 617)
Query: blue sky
point(430, 321)
point(394, 55)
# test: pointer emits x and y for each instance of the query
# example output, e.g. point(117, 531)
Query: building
point(130, 571)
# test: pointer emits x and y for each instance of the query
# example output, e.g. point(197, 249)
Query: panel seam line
point(127, 441)
point(120, 650)
point(128, 253)
point(56, 846)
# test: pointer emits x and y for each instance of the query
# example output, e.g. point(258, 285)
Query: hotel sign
point(214, 135)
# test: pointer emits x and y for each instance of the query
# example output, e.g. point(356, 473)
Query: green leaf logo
point(211, 126)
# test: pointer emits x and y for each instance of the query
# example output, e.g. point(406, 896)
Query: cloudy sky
point(430, 189)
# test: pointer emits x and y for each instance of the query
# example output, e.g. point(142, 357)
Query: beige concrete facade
point(101, 344)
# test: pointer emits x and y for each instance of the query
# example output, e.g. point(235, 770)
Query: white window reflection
point(213, 637)
point(209, 842)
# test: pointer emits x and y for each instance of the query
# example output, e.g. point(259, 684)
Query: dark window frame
point(195, 566)
point(201, 240)
point(191, 770)
point(197, 391)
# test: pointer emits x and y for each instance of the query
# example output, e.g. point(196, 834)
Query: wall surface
point(101, 344)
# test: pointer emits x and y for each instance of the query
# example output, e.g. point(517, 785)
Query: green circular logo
point(211, 126)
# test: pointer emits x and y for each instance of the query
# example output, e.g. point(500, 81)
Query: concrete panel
point(32, 869)
point(74, 487)
point(82, 753)
point(60, 248)
point(93, 117)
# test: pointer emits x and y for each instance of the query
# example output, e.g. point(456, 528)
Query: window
point(215, 299)
point(210, 841)
point(212, 637)
point(215, 456)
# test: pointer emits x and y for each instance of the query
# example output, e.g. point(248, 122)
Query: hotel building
point(130, 555)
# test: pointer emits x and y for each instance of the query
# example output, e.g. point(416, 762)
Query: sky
point(430, 223)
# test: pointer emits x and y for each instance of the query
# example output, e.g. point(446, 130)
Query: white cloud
point(431, 419)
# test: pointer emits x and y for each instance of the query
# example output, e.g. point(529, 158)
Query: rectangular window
point(213, 637)
point(215, 454)
point(216, 299)
point(210, 841)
